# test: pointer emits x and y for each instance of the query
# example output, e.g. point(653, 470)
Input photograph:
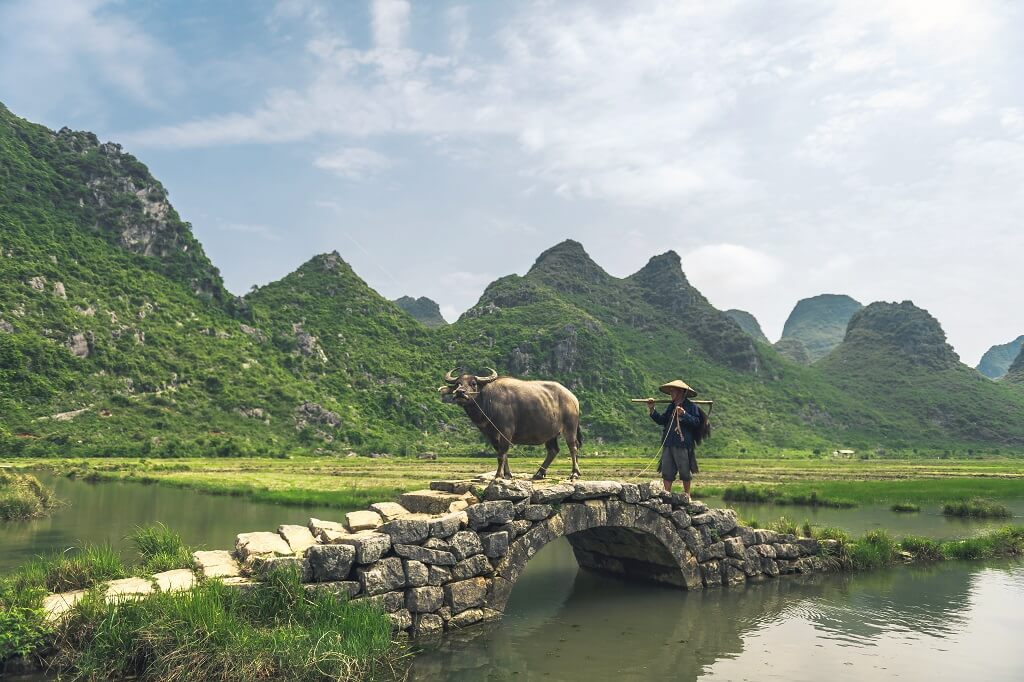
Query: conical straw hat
point(678, 383)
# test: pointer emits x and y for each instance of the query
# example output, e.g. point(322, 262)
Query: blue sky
point(784, 149)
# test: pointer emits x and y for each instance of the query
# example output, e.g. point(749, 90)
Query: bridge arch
point(607, 535)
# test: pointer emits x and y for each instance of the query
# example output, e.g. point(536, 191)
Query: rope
point(489, 419)
point(658, 455)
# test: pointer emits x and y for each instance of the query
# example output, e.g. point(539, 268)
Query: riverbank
point(22, 496)
point(126, 622)
point(353, 482)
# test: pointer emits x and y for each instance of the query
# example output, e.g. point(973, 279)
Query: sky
point(784, 149)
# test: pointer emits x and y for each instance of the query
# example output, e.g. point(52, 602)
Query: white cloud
point(730, 269)
point(76, 44)
point(390, 23)
point(354, 163)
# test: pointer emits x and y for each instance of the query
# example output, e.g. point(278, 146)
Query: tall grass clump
point(22, 496)
point(742, 492)
point(73, 569)
point(23, 629)
point(923, 549)
point(160, 548)
point(977, 507)
point(875, 549)
point(276, 630)
point(1006, 541)
point(783, 526)
point(905, 507)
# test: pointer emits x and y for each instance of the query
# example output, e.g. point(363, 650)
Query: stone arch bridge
point(448, 557)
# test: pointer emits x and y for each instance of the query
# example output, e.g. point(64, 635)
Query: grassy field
point(352, 482)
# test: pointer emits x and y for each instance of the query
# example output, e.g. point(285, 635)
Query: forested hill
point(118, 337)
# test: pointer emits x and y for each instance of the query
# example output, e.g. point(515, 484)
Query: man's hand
point(680, 411)
point(650, 404)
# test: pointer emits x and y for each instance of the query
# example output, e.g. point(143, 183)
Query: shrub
point(875, 549)
point(923, 549)
point(161, 549)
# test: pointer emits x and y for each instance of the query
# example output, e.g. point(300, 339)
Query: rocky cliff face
point(997, 359)
point(819, 323)
point(422, 309)
point(105, 190)
point(748, 323)
point(1015, 373)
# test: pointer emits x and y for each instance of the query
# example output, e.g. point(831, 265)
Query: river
point(948, 621)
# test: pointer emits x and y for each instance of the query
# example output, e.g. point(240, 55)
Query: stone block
point(365, 519)
point(416, 573)
point(178, 580)
point(299, 538)
point(262, 566)
point(630, 493)
point(447, 525)
point(764, 551)
point(400, 620)
point(127, 588)
point(434, 502)
point(734, 548)
point(424, 599)
point(55, 606)
point(370, 547)
point(552, 494)
point(439, 575)
point(330, 563)
point(808, 546)
point(216, 564)
point(589, 490)
point(701, 519)
point(538, 512)
point(678, 499)
point(389, 602)
point(487, 513)
point(711, 573)
point(465, 594)
point(343, 589)
point(438, 544)
point(427, 624)
point(514, 490)
point(465, 543)
point(389, 511)
point(712, 551)
point(470, 568)
point(406, 531)
point(318, 526)
point(786, 551)
point(694, 541)
point(769, 567)
point(427, 556)
point(657, 505)
point(459, 487)
point(382, 576)
point(467, 617)
point(696, 507)
point(681, 519)
point(516, 528)
point(333, 537)
point(733, 575)
point(260, 544)
point(495, 544)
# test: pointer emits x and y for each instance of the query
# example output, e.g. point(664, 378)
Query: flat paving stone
point(56, 605)
point(178, 580)
point(217, 563)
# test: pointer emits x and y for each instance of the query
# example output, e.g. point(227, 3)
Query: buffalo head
point(461, 389)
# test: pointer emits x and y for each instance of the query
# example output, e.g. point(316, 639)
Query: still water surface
point(954, 621)
point(951, 621)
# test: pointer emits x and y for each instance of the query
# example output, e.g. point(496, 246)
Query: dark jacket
point(689, 422)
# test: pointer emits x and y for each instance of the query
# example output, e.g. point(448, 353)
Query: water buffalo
point(511, 411)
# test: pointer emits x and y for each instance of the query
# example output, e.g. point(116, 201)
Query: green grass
point(274, 631)
point(73, 569)
point(161, 549)
point(923, 549)
point(905, 507)
point(976, 508)
point(22, 496)
point(878, 549)
point(875, 549)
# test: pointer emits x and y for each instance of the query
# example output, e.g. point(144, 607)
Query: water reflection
point(567, 624)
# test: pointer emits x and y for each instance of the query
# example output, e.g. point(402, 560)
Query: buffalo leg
point(552, 446)
point(503, 471)
point(574, 451)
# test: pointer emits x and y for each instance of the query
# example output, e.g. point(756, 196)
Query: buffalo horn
point(488, 379)
point(451, 378)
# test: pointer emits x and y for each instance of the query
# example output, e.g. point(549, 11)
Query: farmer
point(680, 423)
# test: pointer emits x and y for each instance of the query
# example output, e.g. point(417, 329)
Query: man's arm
point(689, 415)
point(660, 418)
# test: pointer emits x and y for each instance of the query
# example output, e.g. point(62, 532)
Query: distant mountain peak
point(997, 360)
point(748, 323)
point(903, 329)
point(423, 309)
point(568, 267)
point(819, 322)
point(1015, 374)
